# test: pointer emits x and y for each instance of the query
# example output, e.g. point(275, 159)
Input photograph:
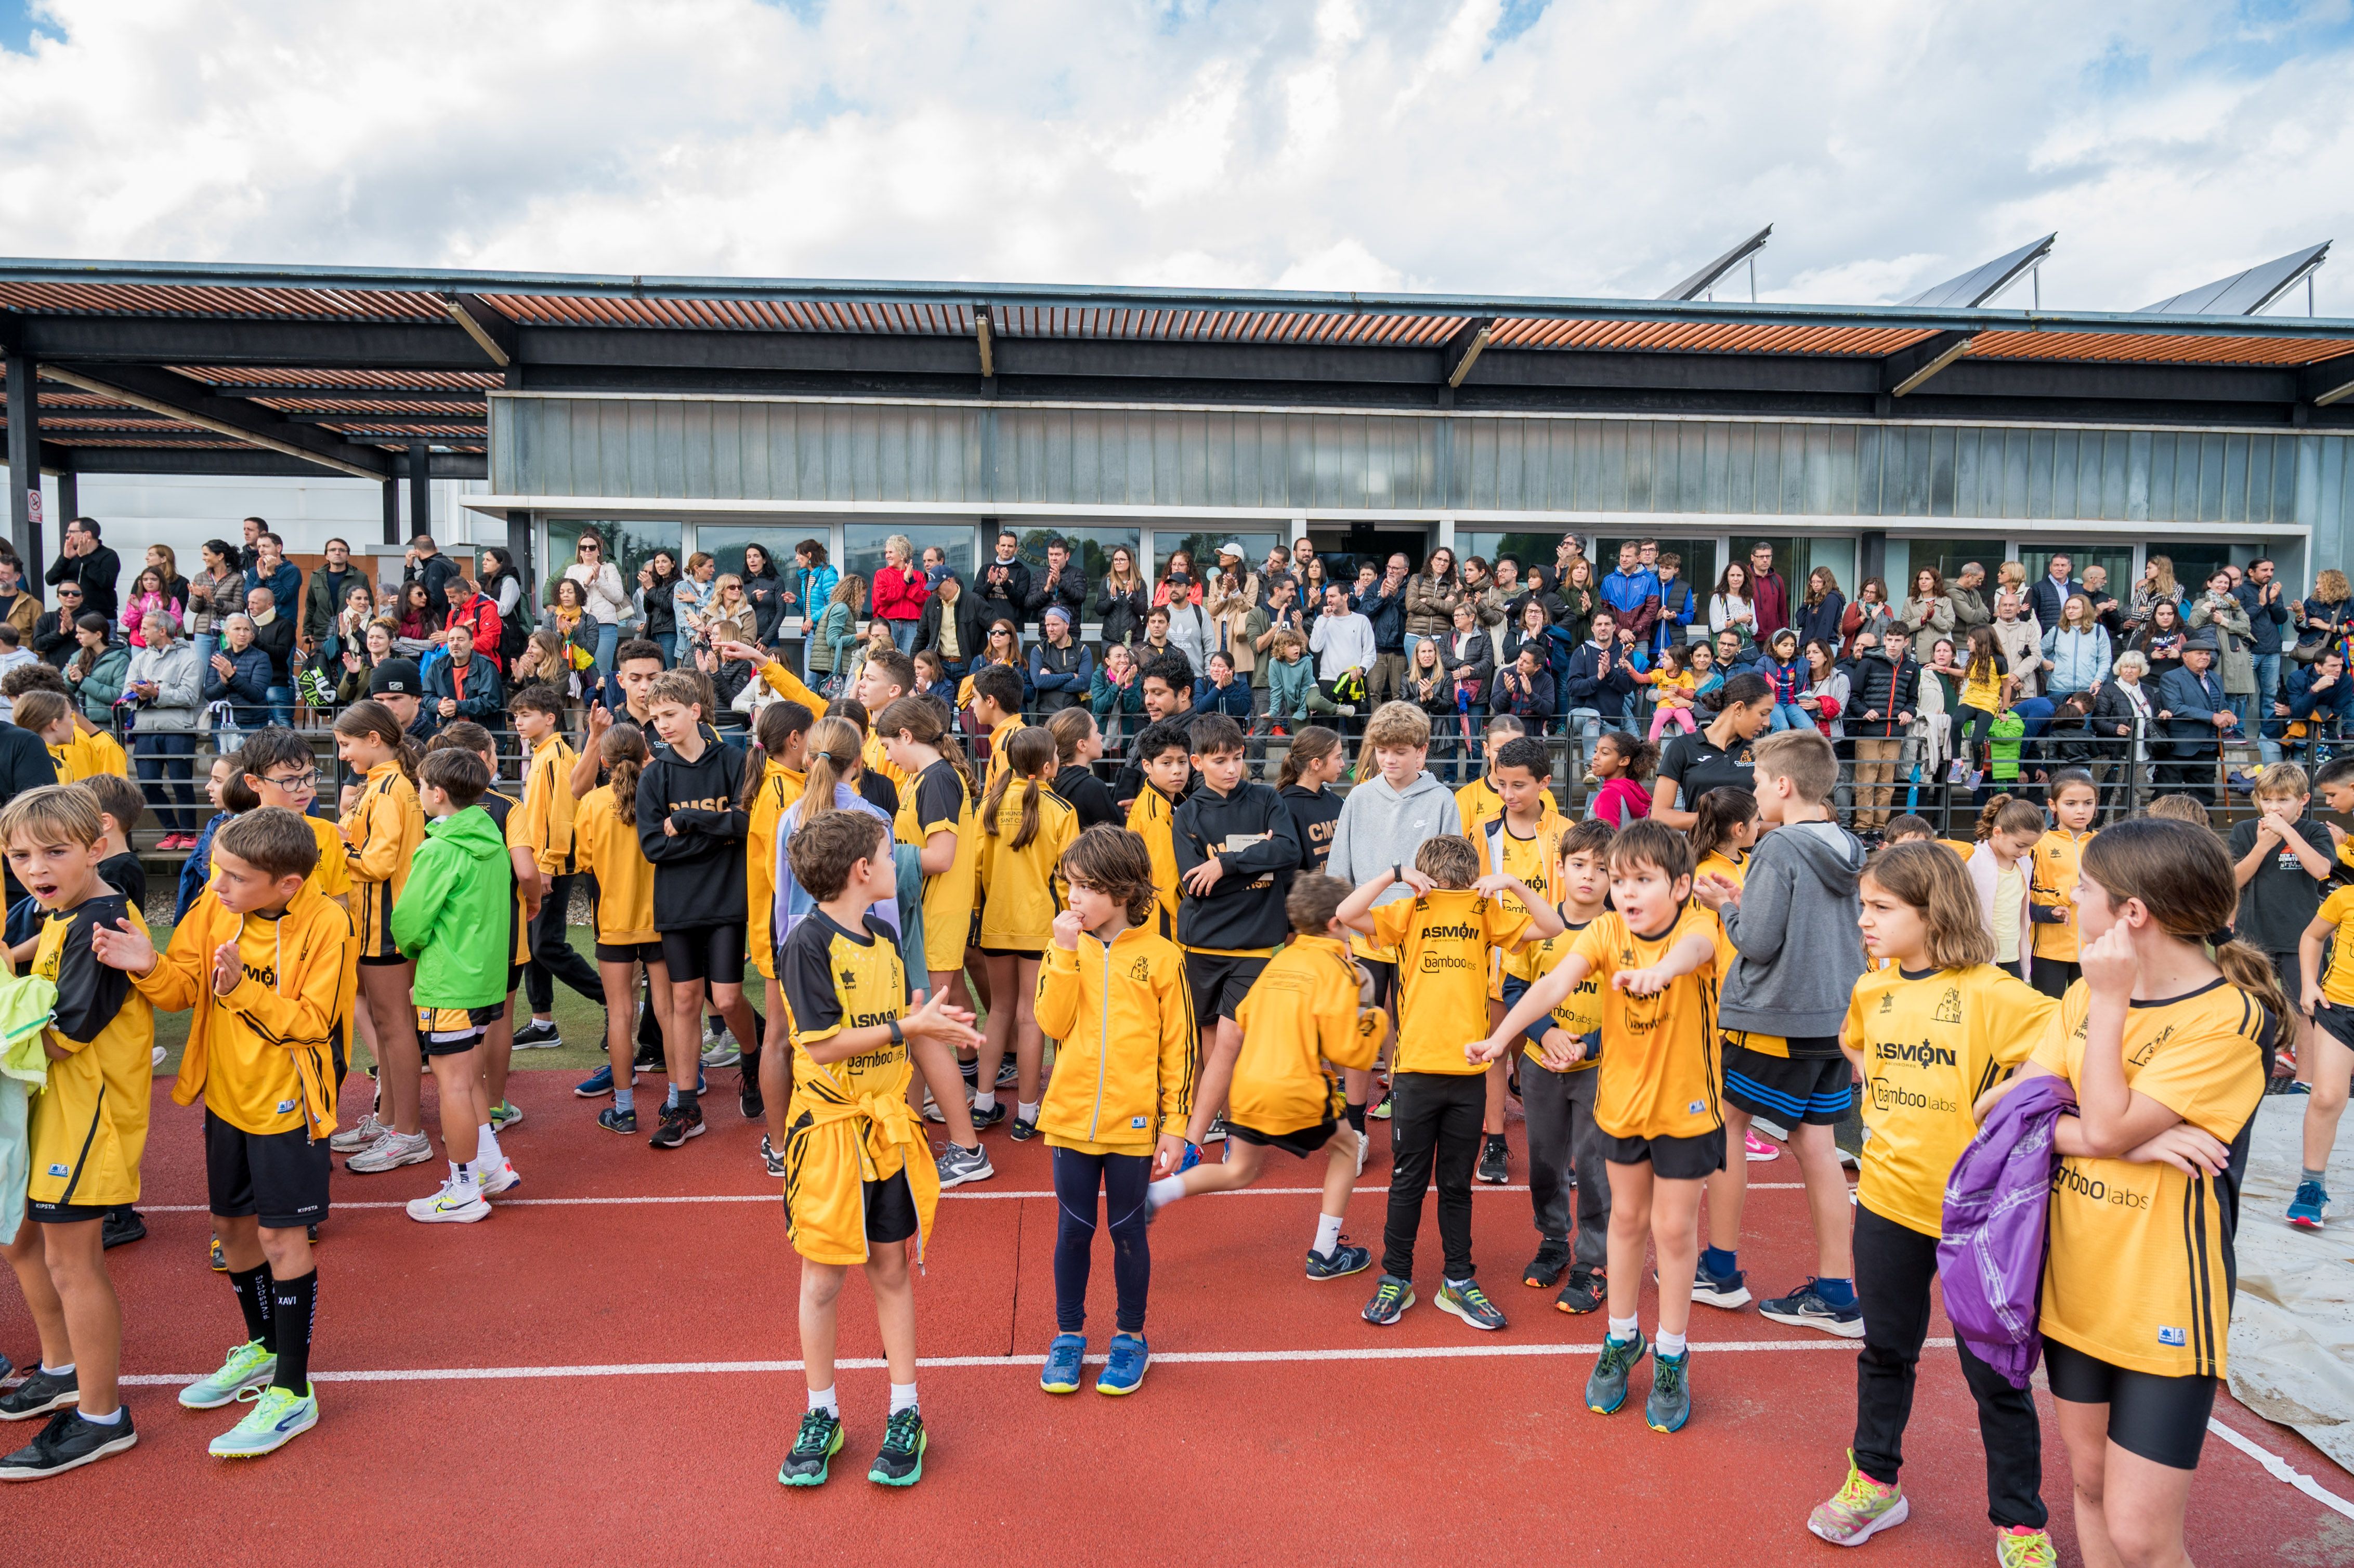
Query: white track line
point(954, 1193)
point(2281, 1468)
point(1195, 1358)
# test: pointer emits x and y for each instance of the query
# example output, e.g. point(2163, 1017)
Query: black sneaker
point(748, 1099)
point(121, 1225)
point(649, 1059)
point(901, 1461)
point(813, 1450)
point(67, 1443)
point(1023, 1131)
point(770, 1160)
point(678, 1124)
point(1543, 1271)
point(1492, 1168)
point(989, 1117)
point(1340, 1262)
point(1588, 1290)
point(614, 1120)
point(537, 1034)
point(39, 1395)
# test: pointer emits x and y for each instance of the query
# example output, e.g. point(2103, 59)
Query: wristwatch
point(898, 1036)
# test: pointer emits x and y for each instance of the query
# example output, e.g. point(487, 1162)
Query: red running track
point(613, 1381)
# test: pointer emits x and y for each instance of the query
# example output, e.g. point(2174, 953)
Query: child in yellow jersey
point(1479, 802)
point(1557, 1084)
point(2326, 1000)
point(781, 744)
point(540, 836)
point(1443, 935)
point(605, 835)
point(2052, 882)
point(1115, 995)
point(858, 1183)
point(1164, 749)
point(1724, 830)
point(1026, 828)
point(997, 710)
point(1305, 1010)
point(49, 715)
point(86, 1134)
point(1518, 843)
point(1658, 958)
point(265, 962)
point(381, 833)
point(1927, 1034)
point(2164, 1047)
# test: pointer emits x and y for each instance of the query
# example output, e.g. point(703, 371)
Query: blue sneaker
point(1392, 1296)
point(1193, 1157)
point(1606, 1386)
point(1670, 1405)
point(1124, 1369)
point(1805, 1308)
point(597, 1085)
point(1729, 1291)
point(1062, 1359)
point(2311, 1206)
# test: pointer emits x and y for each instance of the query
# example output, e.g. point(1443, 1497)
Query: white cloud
point(1609, 148)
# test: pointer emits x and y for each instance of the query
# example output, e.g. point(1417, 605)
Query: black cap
point(396, 676)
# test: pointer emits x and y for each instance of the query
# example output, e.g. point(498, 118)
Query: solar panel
point(2241, 293)
point(1980, 284)
point(1700, 282)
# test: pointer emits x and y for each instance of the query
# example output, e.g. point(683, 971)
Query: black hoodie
point(1251, 834)
point(1087, 795)
point(698, 873)
point(1315, 816)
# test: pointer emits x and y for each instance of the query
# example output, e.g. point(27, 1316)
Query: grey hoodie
point(1800, 951)
point(1381, 827)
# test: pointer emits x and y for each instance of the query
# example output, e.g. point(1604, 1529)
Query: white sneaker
point(452, 1205)
point(503, 1178)
point(360, 1135)
point(1365, 1151)
point(156, 1055)
point(722, 1054)
point(390, 1152)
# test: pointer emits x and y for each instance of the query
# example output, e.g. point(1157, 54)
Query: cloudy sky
point(1566, 147)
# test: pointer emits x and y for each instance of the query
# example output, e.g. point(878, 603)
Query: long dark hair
point(768, 562)
point(1739, 691)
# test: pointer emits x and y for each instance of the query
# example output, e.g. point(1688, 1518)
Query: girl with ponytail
point(2165, 1043)
point(2003, 868)
point(1025, 829)
point(381, 833)
point(605, 840)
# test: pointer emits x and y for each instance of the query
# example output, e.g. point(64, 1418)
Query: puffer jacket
point(2236, 661)
point(1997, 1208)
point(1134, 986)
point(1430, 604)
point(2080, 660)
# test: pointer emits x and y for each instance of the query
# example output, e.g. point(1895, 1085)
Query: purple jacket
point(1997, 1202)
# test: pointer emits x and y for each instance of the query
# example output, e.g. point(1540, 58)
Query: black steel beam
point(199, 340)
point(2328, 383)
point(25, 476)
point(162, 392)
point(1909, 368)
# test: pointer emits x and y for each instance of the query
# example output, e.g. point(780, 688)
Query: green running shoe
point(1860, 1509)
point(820, 1441)
point(1669, 1405)
point(1606, 1388)
point(1470, 1303)
point(278, 1416)
point(901, 1461)
point(250, 1365)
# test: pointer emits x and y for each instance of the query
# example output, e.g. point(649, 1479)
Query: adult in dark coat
point(82, 559)
point(2191, 700)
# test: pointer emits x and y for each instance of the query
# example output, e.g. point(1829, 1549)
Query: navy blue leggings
point(1121, 1178)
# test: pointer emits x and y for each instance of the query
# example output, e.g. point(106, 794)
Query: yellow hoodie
point(2058, 854)
point(1124, 1071)
point(1302, 1008)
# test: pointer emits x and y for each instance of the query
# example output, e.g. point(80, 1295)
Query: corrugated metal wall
point(979, 455)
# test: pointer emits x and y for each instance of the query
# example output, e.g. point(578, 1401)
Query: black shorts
point(450, 1030)
point(890, 1208)
point(63, 1214)
point(1820, 1090)
point(1299, 1144)
point(2163, 1419)
point(1384, 975)
point(1673, 1158)
point(377, 960)
point(714, 953)
point(1033, 953)
point(2337, 1020)
point(279, 1178)
point(630, 952)
point(1220, 981)
point(515, 978)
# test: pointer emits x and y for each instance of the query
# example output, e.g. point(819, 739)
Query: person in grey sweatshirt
point(1792, 924)
point(1390, 810)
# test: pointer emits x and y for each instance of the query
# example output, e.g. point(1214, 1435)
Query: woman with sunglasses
point(600, 584)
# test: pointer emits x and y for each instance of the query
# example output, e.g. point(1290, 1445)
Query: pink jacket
point(1983, 874)
point(136, 611)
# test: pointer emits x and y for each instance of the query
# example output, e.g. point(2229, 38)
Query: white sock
point(984, 1101)
point(1622, 1328)
point(903, 1397)
point(111, 1418)
point(1026, 1110)
point(822, 1399)
point(58, 1371)
point(1165, 1191)
point(487, 1151)
point(1668, 1344)
point(462, 1177)
point(1328, 1234)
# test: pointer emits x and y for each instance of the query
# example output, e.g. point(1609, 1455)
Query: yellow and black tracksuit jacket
point(1124, 1073)
point(381, 833)
point(1301, 1012)
point(780, 788)
point(88, 1128)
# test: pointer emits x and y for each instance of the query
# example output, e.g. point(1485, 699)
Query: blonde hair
point(2004, 814)
point(900, 545)
point(2163, 566)
point(1449, 860)
point(1934, 881)
point(1804, 757)
point(833, 758)
point(61, 808)
point(2280, 781)
point(2181, 809)
point(1393, 723)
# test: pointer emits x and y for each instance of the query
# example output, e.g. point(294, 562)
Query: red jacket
point(1770, 597)
point(900, 596)
point(480, 615)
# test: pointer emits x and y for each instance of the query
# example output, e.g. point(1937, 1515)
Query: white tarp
point(2293, 1326)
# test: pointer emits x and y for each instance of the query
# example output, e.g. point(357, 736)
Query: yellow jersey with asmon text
point(2140, 1260)
point(1443, 939)
point(1932, 1043)
point(1662, 1072)
point(1579, 1012)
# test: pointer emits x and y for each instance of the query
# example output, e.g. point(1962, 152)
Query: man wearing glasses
point(53, 633)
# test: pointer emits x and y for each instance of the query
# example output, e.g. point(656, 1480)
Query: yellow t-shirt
point(1932, 1043)
point(1153, 817)
point(940, 802)
point(1536, 862)
point(1715, 862)
point(2140, 1254)
point(87, 1129)
point(2337, 979)
point(1477, 803)
point(1443, 938)
point(1662, 1076)
point(2009, 887)
point(1580, 1013)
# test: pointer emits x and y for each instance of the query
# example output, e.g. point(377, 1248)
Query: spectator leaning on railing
point(239, 675)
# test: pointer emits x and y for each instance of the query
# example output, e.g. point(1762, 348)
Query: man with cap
point(2197, 715)
point(1061, 670)
point(395, 684)
point(1062, 584)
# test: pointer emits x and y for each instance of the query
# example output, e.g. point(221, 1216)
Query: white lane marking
point(1197, 1357)
point(2281, 1468)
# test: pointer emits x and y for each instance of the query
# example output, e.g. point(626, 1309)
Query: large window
point(1541, 547)
point(2117, 559)
point(1796, 555)
point(1091, 551)
point(861, 546)
point(1203, 548)
point(725, 544)
point(1949, 556)
point(628, 545)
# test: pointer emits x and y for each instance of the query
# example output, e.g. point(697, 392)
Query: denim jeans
point(282, 702)
point(2268, 692)
point(668, 643)
point(902, 635)
point(1790, 715)
point(609, 638)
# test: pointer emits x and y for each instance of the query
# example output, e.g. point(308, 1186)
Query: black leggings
point(1121, 1179)
point(1971, 727)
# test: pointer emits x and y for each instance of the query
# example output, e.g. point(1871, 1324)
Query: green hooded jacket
point(452, 915)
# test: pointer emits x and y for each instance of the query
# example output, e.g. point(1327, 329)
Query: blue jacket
point(1631, 594)
point(1233, 699)
point(2332, 703)
point(1678, 604)
point(285, 585)
point(1588, 685)
point(2264, 620)
point(2194, 701)
point(248, 685)
point(481, 701)
point(1387, 613)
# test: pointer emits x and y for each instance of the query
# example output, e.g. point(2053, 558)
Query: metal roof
point(347, 367)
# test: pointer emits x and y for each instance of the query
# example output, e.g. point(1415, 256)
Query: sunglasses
point(589, 549)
